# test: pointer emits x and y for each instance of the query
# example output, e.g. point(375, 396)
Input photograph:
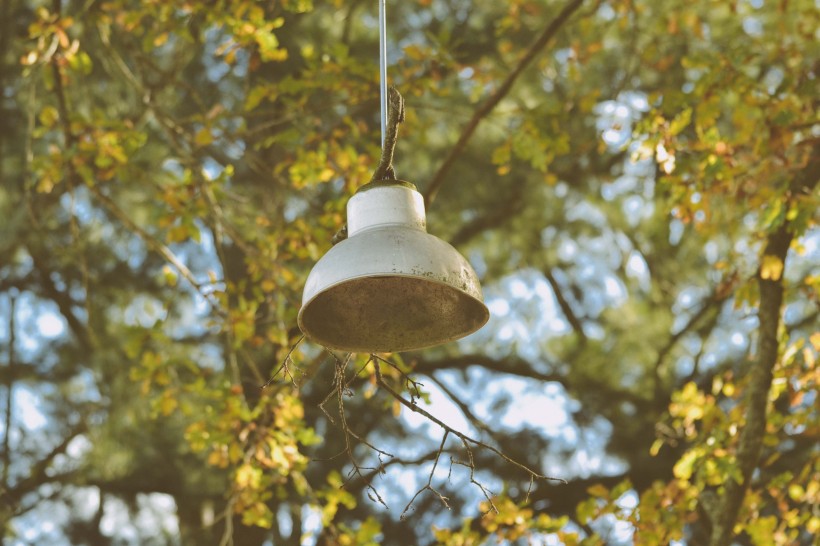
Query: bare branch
point(400, 461)
point(429, 485)
point(63, 300)
point(156, 245)
point(709, 304)
point(340, 391)
point(513, 365)
point(465, 409)
point(466, 439)
point(285, 362)
point(471, 465)
point(9, 393)
point(566, 308)
point(410, 384)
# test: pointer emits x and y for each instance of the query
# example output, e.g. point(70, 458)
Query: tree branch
point(515, 365)
point(341, 389)
point(465, 409)
point(9, 394)
point(502, 91)
point(566, 308)
point(750, 442)
point(429, 485)
point(512, 365)
point(500, 213)
point(399, 461)
point(710, 303)
point(463, 437)
point(38, 474)
point(63, 301)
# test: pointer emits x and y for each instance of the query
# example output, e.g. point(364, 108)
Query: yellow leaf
point(326, 174)
point(796, 492)
point(248, 476)
point(771, 268)
point(49, 116)
point(808, 356)
point(168, 404)
point(45, 185)
point(169, 275)
point(598, 490)
point(684, 467)
point(203, 137)
point(217, 458)
point(415, 52)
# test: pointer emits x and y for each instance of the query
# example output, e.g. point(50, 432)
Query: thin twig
point(158, 246)
point(334, 390)
point(429, 485)
point(464, 438)
point(284, 362)
point(465, 409)
point(372, 493)
point(410, 384)
point(340, 390)
point(227, 536)
point(471, 465)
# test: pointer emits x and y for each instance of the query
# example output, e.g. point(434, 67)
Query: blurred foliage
point(170, 171)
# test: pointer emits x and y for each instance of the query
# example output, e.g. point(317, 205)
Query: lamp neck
point(386, 203)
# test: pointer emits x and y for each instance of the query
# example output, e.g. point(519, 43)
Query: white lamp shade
point(390, 286)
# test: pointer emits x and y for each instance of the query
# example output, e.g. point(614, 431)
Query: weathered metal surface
point(390, 286)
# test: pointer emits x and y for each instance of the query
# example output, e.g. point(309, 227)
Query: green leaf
point(760, 530)
point(685, 466)
point(681, 121)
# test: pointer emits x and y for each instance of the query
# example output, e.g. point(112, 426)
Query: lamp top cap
point(387, 184)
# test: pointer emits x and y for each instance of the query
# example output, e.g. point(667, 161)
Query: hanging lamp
point(390, 286)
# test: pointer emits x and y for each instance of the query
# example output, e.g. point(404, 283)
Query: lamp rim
point(485, 315)
point(386, 183)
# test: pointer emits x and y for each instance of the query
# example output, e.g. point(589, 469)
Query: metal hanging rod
point(383, 67)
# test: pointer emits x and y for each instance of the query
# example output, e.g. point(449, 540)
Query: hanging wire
point(383, 67)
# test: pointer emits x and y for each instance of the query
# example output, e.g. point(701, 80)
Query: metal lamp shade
point(390, 286)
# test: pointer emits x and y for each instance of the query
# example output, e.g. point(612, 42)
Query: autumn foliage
point(634, 181)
